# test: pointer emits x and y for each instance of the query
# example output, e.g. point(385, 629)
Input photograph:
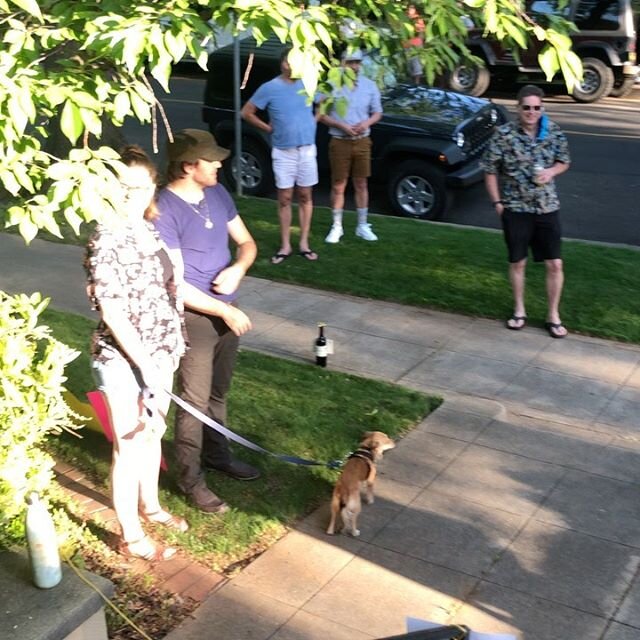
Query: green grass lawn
point(455, 269)
point(284, 406)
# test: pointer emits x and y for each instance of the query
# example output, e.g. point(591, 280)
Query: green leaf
point(324, 35)
point(17, 114)
point(30, 6)
point(548, 59)
point(71, 121)
point(122, 105)
point(161, 70)
point(516, 33)
point(141, 108)
point(133, 48)
point(20, 172)
point(539, 32)
point(10, 183)
point(28, 230)
point(79, 155)
point(91, 121)
point(73, 219)
point(176, 47)
point(62, 189)
point(26, 102)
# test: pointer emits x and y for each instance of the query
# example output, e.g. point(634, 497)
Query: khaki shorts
point(350, 158)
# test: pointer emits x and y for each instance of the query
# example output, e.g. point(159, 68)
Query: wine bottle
point(42, 544)
point(321, 346)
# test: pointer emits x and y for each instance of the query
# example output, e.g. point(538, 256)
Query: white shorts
point(295, 166)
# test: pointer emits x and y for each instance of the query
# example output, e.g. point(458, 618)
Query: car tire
point(623, 87)
point(257, 176)
point(472, 80)
point(417, 189)
point(597, 81)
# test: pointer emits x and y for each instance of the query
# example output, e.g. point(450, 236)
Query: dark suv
point(427, 140)
point(605, 42)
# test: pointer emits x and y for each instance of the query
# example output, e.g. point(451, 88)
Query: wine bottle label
point(321, 351)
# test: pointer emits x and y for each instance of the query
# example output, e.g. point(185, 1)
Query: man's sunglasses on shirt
point(528, 107)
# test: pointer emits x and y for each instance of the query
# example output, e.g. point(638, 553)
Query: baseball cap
point(353, 56)
point(191, 145)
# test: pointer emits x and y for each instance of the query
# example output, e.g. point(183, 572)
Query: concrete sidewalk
point(513, 508)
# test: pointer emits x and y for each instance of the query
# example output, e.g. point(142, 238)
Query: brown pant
point(350, 158)
point(205, 379)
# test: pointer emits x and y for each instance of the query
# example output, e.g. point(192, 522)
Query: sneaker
point(236, 469)
point(334, 235)
point(364, 231)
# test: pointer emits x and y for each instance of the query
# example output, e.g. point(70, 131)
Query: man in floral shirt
point(520, 164)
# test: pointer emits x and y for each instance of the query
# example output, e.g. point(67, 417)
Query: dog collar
point(364, 453)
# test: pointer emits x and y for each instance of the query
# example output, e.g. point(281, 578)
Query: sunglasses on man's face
point(529, 107)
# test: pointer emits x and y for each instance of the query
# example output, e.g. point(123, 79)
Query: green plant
point(32, 365)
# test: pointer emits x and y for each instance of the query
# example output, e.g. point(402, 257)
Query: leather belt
point(364, 135)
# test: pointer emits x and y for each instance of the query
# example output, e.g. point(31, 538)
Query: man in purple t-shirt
point(197, 218)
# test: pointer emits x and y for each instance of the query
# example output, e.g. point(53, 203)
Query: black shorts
point(541, 232)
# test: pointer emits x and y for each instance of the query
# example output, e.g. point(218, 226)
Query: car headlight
point(458, 138)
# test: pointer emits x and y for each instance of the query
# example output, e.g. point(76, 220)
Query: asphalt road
point(600, 195)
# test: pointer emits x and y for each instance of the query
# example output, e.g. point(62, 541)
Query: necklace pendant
point(208, 224)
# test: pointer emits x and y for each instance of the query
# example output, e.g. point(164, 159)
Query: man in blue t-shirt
point(197, 218)
point(292, 126)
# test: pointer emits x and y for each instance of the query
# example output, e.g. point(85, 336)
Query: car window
point(598, 15)
point(549, 8)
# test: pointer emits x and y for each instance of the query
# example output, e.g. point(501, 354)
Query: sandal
point(312, 256)
point(146, 549)
point(166, 519)
point(279, 257)
point(554, 327)
point(516, 323)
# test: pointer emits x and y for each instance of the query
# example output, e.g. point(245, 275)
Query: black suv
point(427, 140)
point(605, 42)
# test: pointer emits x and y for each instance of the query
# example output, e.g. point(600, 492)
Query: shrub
point(32, 407)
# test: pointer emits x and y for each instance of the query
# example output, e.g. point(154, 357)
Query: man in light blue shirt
point(350, 147)
point(292, 126)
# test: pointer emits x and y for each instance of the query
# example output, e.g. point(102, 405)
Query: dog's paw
point(369, 499)
point(355, 533)
point(330, 532)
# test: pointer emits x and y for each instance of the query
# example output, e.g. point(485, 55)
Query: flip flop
point(279, 257)
point(515, 318)
point(312, 256)
point(166, 519)
point(552, 329)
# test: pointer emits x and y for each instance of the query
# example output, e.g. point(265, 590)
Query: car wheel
point(623, 87)
point(469, 79)
point(417, 190)
point(597, 81)
point(256, 169)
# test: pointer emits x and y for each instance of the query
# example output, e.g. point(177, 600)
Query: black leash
point(332, 464)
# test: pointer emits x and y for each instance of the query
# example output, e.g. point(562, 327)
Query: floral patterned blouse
point(513, 154)
point(140, 277)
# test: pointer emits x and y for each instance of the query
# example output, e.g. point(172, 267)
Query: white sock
point(337, 217)
point(362, 215)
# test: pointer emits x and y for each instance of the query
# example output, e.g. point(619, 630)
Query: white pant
point(295, 166)
point(136, 443)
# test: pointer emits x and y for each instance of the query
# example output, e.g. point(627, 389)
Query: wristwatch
point(497, 202)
